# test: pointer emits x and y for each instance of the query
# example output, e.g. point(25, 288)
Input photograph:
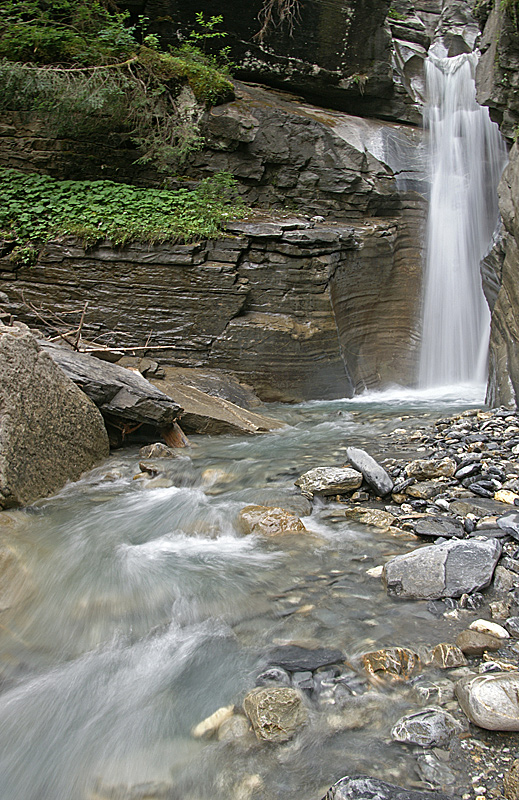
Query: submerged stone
point(392, 661)
point(295, 658)
point(268, 521)
point(276, 714)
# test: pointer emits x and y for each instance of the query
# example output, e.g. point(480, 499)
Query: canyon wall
point(498, 88)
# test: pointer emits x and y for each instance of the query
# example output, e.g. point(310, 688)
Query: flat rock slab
point(491, 700)
point(119, 393)
point(212, 382)
point(480, 506)
point(294, 658)
point(374, 474)
point(361, 787)
point(438, 526)
point(204, 413)
point(450, 569)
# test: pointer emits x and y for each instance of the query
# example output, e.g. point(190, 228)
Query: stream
point(132, 609)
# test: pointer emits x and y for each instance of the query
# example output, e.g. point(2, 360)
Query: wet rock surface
point(491, 701)
point(276, 714)
point(50, 432)
point(361, 787)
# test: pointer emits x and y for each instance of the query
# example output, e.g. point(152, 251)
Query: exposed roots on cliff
point(276, 12)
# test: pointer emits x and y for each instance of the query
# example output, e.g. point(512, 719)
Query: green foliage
point(34, 208)
point(115, 87)
point(140, 98)
point(64, 32)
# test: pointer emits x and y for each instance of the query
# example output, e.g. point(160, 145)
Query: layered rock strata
point(262, 303)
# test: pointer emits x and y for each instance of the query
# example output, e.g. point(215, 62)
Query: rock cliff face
point(299, 309)
point(278, 304)
point(498, 87)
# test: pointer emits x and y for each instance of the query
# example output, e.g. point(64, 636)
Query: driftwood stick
point(81, 321)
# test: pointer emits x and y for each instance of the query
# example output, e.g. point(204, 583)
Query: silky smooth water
point(132, 611)
point(467, 156)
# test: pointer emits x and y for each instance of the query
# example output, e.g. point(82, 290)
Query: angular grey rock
point(374, 474)
point(329, 481)
point(50, 432)
point(491, 700)
point(430, 727)
point(475, 643)
point(449, 569)
point(510, 524)
point(119, 393)
point(362, 787)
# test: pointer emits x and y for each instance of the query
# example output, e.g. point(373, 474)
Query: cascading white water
point(467, 155)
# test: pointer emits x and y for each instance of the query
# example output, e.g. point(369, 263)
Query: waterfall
point(467, 155)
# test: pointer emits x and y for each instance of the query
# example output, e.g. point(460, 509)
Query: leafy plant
point(34, 208)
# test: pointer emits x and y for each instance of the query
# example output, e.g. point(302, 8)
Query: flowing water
point(132, 610)
point(467, 156)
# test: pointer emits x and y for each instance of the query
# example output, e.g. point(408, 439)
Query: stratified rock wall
point(258, 304)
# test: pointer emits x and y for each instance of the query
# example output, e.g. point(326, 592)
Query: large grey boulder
point(491, 700)
point(449, 569)
point(50, 432)
point(374, 474)
point(362, 787)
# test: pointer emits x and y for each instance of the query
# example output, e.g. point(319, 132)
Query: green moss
point(188, 64)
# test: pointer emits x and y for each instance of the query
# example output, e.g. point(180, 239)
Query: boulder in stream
point(449, 569)
point(327, 481)
point(374, 474)
point(268, 521)
point(275, 713)
point(491, 700)
point(50, 432)
point(362, 787)
point(429, 727)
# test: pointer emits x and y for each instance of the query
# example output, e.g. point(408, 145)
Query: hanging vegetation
point(78, 66)
point(277, 12)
